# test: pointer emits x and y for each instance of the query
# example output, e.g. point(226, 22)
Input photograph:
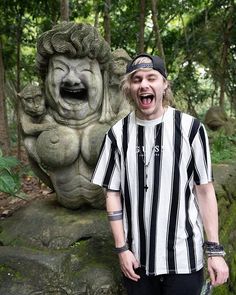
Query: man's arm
point(217, 267)
point(127, 260)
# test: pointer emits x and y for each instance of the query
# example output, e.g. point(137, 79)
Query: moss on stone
point(6, 272)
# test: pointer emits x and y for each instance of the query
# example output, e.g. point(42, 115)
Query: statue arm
point(38, 171)
point(31, 128)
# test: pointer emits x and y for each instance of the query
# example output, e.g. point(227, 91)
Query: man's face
point(146, 89)
point(74, 86)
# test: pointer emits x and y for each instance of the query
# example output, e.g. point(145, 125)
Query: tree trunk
point(107, 24)
point(54, 15)
point(4, 136)
point(156, 29)
point(224, 60)
point(96, 16)
point(18, 87)
point(142, 27)
point(65, 10)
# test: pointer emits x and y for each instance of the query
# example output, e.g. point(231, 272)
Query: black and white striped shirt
point(162, 224)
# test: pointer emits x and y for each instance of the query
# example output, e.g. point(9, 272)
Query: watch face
point(207, 288)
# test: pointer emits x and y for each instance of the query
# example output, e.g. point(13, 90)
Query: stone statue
point(80, 79)
point(215, 118)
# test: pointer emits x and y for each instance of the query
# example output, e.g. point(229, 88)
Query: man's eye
point(151, 79)
point(136, 80)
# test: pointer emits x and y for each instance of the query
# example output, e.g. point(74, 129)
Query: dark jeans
point(168, 284)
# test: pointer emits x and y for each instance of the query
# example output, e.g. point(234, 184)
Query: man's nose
point(71, 78)
point(144, 84)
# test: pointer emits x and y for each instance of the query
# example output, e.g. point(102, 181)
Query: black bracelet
point(212, 246)
point(213, 249)
point(119, 250)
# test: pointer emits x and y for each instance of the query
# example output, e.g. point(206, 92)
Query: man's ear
point(166, 83)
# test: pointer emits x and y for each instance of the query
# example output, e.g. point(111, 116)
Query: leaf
point(9, 183)
point(21, 195)
point(8, 162)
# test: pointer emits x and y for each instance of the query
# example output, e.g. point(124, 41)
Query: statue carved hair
point(73, 40)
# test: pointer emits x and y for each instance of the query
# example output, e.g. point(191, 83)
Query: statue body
point(80, 105)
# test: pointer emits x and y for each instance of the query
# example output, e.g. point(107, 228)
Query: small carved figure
point(34, 120)
point(119, 105)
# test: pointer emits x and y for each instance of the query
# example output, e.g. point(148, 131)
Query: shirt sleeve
point(202, 158)
point(107, 170)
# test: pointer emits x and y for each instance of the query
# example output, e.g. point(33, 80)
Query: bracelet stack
point(213, 249)
point(119, 250)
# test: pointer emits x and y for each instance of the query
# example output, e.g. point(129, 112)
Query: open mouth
point(146, 99)
point(74, 94)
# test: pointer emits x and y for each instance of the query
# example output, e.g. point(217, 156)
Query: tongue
point(146, 101)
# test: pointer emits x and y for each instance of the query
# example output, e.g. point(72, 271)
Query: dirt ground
point(33, 190)
point(31, 186)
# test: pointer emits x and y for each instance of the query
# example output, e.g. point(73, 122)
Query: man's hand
point(218, 270)
point(128, 264)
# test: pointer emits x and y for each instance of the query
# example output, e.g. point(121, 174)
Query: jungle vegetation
point(196, 39)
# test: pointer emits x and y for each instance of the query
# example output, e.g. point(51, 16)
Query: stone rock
point(48, 249)
point(215, 118)
point(225, 185)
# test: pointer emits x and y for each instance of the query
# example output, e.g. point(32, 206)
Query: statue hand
point(49, 126)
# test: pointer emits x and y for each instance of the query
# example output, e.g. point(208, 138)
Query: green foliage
point(9, 179)
point(223, 148)
point(193, 33)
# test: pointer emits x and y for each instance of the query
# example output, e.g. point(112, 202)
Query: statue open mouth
point(74, 94)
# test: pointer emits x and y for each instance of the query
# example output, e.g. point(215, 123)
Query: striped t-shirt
point(162, 223)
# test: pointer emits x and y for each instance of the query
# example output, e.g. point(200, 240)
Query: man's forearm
point(114, 206)
point(208, 210)
point(217, 267)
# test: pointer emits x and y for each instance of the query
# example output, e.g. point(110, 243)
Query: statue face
point(119, 66)
point(74, 86)
point(33, 105)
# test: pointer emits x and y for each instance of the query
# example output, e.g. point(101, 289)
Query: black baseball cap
point(157, 64)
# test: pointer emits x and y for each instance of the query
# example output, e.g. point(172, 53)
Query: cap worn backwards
point(157, 64)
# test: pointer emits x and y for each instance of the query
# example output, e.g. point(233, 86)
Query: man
point(156, 167)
